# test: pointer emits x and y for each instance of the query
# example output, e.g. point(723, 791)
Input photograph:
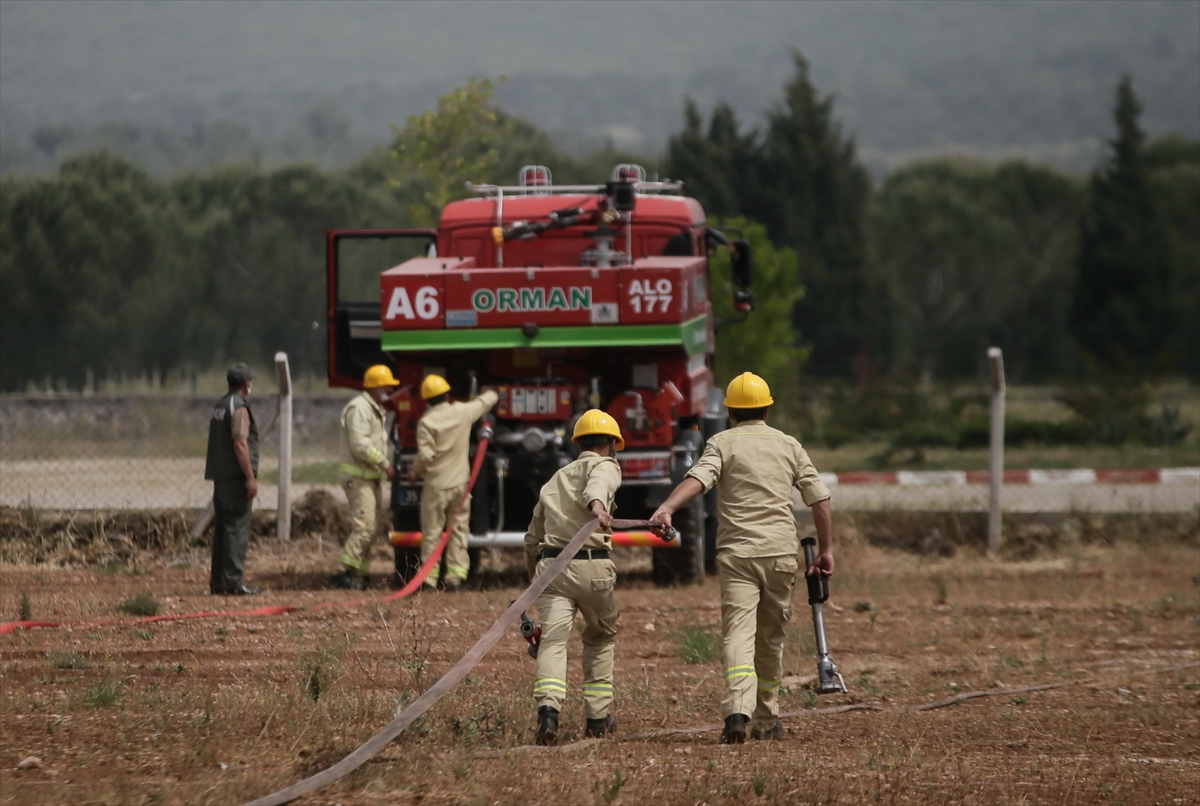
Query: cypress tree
point(1121, 312)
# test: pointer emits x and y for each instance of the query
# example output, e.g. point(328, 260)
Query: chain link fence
point(118, 452)
point(146, 452)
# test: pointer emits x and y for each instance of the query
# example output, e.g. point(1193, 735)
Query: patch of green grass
point(312, 473)
point(103, 694)
point(698, 645)
point(145, 635)
point(862, 607)
point(759, 783)
point(141, 605)
point(611, 791)
point(939, 587)
point(71, 660)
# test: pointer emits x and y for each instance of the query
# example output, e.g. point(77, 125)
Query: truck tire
point(683, 565)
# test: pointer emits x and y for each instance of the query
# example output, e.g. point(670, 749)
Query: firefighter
point(232, 465)
point(754, 468)
point(443, 442)
point(576, 494)
point(364, 465)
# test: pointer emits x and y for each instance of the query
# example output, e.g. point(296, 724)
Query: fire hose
point(277, 610)
point(436, 557)
point(451, 678)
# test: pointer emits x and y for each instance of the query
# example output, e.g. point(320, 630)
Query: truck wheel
point(683, 565)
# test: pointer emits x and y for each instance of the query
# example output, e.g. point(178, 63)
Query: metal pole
point(996, 474)
point(284, 513)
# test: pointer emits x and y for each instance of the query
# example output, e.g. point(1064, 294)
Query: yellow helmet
point(433, 385)
point(748, 391)
point(378, 376)
point(595, 421)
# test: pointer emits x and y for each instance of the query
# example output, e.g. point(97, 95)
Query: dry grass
point(217, 711)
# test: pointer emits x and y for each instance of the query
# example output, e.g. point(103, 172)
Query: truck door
point(354, 261)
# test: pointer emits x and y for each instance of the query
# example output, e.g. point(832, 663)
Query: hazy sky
point(888, 62)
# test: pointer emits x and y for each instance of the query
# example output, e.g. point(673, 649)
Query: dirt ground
point(226, 709)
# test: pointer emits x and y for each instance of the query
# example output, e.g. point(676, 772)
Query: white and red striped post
point(996, 476)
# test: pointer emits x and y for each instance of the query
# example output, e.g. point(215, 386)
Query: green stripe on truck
point(692, 335)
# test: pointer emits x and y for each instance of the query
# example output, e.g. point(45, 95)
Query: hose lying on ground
point(442, 687)
point(277, 610)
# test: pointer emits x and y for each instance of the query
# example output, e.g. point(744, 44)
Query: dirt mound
point(29, 535)
point(319, 512)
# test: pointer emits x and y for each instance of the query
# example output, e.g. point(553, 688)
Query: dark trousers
point(231, 534)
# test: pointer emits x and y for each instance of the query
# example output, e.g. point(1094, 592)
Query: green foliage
point(141, 605)
point(801, 179)
point(966, 256)
point(442, 149)
point(103, 694)
point(1122, 312)
point(610, 792)
point(764, 342)
point(698, 645)
point(71, 660)
point(26, 613)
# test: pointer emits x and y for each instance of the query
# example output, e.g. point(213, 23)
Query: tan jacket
point(755, 468)
point(364, 438)
point(562, 507)
point(443, 439)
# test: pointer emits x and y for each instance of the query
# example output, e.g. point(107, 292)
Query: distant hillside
point(911, 77)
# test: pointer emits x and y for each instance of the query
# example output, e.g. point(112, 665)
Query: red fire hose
point(436, 557)
point(277, 610)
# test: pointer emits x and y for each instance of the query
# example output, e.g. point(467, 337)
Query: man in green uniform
point(443, 443)
point(755, 468)
point(232, 466)
point(576, 494)
point(364, 465)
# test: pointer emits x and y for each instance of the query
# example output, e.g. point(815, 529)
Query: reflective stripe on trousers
point(358, 472)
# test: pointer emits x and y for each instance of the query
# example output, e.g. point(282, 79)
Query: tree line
point(108, 271)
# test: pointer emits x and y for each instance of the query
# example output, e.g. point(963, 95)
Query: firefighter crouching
point(576, 494)
point(755, 468)
point(443, 443)
point(363, 467)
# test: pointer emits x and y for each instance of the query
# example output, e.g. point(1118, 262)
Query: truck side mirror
point(743, 271)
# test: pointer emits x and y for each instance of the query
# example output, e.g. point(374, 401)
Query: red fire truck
point(563, 298)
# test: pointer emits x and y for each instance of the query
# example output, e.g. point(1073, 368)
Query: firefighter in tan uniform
point(576, 494)
point(443, 442)
point(755, 468)
point(363, 467)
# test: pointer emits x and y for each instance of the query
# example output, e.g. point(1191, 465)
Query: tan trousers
point(437, 508)
point(584, 586)
point(756, 603)
point(367, 516)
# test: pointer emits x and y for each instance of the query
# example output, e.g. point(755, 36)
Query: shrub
point(141, 605)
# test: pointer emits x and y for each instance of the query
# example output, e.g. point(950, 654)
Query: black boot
point(547, 730)
point(735, 729)
point(596, 728)
point(774, 732)
point(346, 581)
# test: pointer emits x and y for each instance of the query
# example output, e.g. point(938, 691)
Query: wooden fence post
point(284, 514)
point(996, 475)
